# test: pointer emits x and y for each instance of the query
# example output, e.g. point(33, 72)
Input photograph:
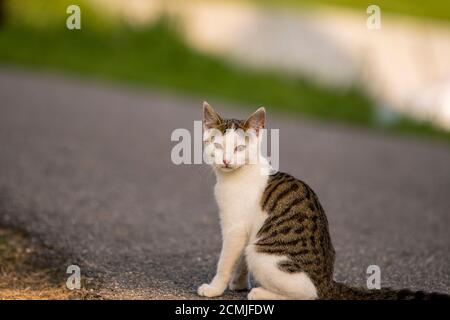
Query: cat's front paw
point(207, 290)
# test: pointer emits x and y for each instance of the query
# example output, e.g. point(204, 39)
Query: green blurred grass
point(158, 57)
point(433, 9)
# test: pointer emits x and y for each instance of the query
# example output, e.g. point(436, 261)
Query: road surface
point(85, 168)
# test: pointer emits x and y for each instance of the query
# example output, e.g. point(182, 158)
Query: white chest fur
point(238, 196)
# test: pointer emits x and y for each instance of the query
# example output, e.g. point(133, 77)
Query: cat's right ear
point(210, 117)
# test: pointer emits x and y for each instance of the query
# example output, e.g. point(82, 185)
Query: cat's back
point(296, 221)
point(283, 192)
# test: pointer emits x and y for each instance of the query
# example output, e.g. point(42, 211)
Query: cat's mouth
point(226, 168)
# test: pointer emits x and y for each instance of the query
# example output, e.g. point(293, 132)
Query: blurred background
point(86, 118)
point(317, 59)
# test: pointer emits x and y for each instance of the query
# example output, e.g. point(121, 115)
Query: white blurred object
point(404, 65)
point(437, 96)
point(134, 12)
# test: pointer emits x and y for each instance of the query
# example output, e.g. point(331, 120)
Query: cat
point(273, 225)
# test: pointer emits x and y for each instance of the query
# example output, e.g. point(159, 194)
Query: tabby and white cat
point(273, 225)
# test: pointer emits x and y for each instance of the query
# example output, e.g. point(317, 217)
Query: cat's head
point(230, 144)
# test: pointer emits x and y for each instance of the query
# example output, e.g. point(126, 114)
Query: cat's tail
point(340, 291)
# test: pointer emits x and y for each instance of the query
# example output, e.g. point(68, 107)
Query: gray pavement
point(85, 168)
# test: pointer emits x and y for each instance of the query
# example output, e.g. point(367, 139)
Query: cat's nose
point(226, 162)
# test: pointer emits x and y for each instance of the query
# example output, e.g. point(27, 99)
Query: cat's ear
point(210, 117)
point(257, 120)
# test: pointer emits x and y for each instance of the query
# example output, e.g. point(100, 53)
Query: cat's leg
point(232, 249)
point(260, 293)
point(265, 269)
point(240, 280)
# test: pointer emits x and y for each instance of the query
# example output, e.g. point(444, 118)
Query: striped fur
point(230, 124)
point(296, 227)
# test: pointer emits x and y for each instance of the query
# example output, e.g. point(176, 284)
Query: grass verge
point(26, 274)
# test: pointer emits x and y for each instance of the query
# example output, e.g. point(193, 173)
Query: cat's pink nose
point(226, 162)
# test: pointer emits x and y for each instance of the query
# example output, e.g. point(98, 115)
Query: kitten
point(273, 225)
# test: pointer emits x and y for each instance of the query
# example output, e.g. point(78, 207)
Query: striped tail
point(340, 291)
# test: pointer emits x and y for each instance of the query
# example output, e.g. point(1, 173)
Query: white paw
point(206, 290)
point(254, 294)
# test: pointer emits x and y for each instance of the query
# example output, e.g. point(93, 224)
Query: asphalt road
point(85, 168)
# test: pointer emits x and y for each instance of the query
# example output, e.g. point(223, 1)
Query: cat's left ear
point(257, 120)
point(211, 119)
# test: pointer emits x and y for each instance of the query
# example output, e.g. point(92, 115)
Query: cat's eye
point(240, 148)
point(217, 146)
